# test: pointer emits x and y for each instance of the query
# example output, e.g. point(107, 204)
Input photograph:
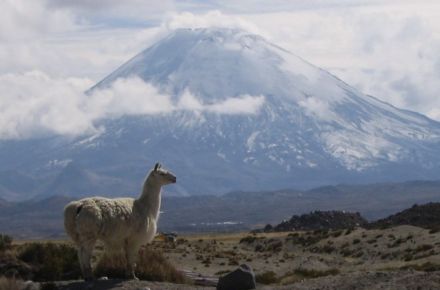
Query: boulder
point(243, 278)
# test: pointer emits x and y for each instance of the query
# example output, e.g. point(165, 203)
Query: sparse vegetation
point(301, 274)
point(423, 248)
point(268, 277)
point(336, 234)
point(50, 261)
point(5, 242)
point(10, 283)
point(277, 258)
point(222, 272)
point(152, 265)
point(309, 273)
point(426, 267)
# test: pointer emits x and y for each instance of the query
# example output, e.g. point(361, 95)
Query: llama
point(120, 223)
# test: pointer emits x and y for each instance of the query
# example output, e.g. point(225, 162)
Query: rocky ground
point(402, 280)
point(294, 256)
point(402, 257)
point(369, 280)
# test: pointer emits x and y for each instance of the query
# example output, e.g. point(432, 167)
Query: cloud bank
point(33, 104)
point(244, 104)
point(213, 18)
point(51, 51)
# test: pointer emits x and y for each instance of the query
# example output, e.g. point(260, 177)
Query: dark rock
point(268, 228)
point(322, 220)
point(241, 279)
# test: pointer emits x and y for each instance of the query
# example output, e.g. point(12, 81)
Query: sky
point(51, 51)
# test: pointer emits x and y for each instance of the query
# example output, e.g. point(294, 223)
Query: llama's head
point(162, 176)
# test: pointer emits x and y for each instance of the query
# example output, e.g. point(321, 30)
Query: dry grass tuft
point(10, 283)
point(268, 277)
point(152, 266)
point(50, 261)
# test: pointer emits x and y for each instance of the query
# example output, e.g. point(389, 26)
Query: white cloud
point(213, 18)
point(188, 101)
point(35, 36)
point(34, 104)
point(21, 19)
point(127, 97)
point(116, 12)
point(317, 107)
point(385, 49)
point(244, 104)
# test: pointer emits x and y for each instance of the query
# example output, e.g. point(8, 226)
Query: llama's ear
point(156, 166)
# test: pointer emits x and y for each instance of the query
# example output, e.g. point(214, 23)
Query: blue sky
point(386, 48)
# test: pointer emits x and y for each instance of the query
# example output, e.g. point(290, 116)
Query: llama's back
point(98, 218)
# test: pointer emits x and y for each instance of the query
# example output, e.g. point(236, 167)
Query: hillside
point(320, 220)
point(234, 211)
point(425, 216)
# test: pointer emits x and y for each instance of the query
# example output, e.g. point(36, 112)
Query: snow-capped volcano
point(249, 115)
point(301, 100)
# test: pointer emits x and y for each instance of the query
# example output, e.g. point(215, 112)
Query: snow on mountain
point(249, 115)
point(213, 65)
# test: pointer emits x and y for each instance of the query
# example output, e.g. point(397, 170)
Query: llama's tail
point(70, 212)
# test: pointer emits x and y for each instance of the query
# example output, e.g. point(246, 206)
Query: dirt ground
point(402, 280)
point(319, 251)
point(403, 257)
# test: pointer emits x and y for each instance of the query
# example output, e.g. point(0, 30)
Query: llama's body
point(110, 220)
point(121, 223)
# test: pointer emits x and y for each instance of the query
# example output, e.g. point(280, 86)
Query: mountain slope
point(357, 130)
point(298, 126)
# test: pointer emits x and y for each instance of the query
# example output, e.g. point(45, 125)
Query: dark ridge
point(424, 216)
point(318, 220)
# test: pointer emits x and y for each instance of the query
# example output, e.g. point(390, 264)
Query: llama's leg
point(80, 259)
point(131, 251)
point(85, 257)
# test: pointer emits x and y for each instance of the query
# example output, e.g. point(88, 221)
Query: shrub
point(308, 273)
point(408, 257)
point(222, 272)
point(356, 241)
point(337, 233)
point(49, 286)
point(248, 240)
point(274, 245)
point(396, 243)
point(327, 249)
point(10, 283)
point(268, 277)
point(5, 242)
point(152, 265)
point(51, 261)
point(427, 267)
point(423, 248)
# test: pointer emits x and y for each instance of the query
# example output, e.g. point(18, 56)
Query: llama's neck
point(149, 202)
